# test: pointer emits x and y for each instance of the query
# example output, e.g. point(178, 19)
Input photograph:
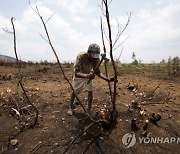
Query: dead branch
point(121, 43)
point(49, 18)
point(156, 88)
point(105, 63)
point(120, 54)
point(105, 7)
point(119, 33)
point(20, 76)
point(6, 30)
point(109, 2)
point(14, 35)
point(44, 38)
point(118, 30)
point(151, 93)
point(80, 134)
point(36, 118)
point(57, 58)
point(105, 3)
point(36, 147)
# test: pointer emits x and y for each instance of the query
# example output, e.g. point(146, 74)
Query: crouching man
point(83, 76)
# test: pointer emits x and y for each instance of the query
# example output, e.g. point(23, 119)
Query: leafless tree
point(112, 45)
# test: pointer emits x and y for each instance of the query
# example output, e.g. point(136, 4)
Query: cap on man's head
point(94, 50)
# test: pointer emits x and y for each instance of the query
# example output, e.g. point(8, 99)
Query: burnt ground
point(50, 93)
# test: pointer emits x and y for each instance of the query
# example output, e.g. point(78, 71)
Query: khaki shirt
point(84, 65)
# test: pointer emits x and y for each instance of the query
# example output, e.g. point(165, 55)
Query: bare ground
point(50, 93)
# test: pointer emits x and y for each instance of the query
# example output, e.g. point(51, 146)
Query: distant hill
point(7, 59)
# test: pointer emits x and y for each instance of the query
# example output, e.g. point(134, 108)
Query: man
point(83, 72)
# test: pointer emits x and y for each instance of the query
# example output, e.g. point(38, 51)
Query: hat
point(94, 50)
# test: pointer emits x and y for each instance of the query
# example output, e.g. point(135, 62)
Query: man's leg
point(71, 109)
point(90, 99)
point(72, 100)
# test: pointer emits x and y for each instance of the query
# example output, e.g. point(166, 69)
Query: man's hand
point(91, 76)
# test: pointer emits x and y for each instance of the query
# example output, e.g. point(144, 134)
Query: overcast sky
point(153, 32)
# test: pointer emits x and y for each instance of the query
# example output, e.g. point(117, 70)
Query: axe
point(103, 57)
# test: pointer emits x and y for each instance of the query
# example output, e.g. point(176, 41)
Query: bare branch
point(105, 2)
point(36, 118)
point(101, 6)
point(156, 87)
point(121, 43)
point(105, 64)
point(119, 33)
point(102, 35)
point(32, 7)
point(111, 55)
point(50, 17)
point(14, 32)
point(109, 3)
point(57, 58)
point(44, 38)
point(106, 36)
point(7, 31)
point(81, 133)
point(20, 76)
point(38, 11)
point(103, 30)
point(118, 29)
point(120, 53)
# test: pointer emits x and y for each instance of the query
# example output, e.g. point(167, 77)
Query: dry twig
point(20, 75)
point(80, 134)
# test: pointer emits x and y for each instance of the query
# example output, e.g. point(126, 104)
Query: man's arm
point(102, 76)
point(80, 75)
point(84, 75)
point(97, 71)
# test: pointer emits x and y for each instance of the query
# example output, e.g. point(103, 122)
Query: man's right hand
point(91, 75)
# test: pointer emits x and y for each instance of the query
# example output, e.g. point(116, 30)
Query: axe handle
point(96, 68)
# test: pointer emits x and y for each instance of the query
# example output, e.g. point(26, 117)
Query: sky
point(153, 33)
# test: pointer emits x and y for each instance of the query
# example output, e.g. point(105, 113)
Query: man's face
point(91, 58)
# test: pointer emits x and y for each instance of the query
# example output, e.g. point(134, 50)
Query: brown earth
point(50, 93)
